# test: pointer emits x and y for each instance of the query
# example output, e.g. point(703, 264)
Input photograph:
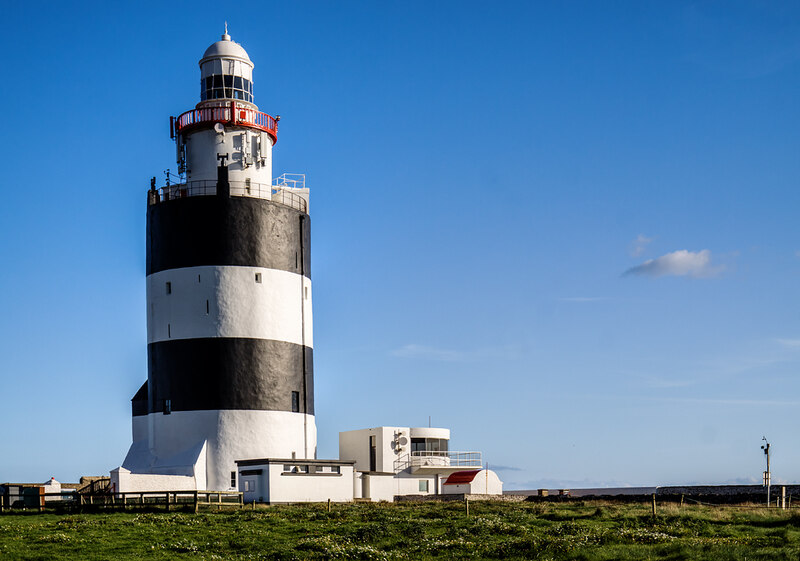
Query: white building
point(378, 464)
point(397, 461)
point(229, 399)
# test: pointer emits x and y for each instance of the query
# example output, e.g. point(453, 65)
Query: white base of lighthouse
point(203, 446)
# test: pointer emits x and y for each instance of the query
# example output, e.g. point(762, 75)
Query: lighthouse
point(229, 323)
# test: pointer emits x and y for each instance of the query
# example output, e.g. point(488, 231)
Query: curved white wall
point(202, 147)
point(238, 306)
point(429, 432)
point(230, 435)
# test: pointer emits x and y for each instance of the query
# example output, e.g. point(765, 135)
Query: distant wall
point(727, 493)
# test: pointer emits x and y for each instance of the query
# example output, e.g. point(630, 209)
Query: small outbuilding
point(473, 482)
point(277, 481)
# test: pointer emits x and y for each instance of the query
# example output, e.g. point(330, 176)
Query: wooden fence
point(169, 500)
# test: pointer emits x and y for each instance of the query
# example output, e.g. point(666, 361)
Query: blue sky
point(567, 231)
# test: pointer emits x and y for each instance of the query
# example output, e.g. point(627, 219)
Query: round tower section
point(229, 320)
point(226, 123)
point(229, 326)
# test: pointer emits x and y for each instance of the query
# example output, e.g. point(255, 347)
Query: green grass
point(578, 530)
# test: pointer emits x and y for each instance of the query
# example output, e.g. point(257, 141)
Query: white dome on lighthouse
point(226, 48)
point(226, 72)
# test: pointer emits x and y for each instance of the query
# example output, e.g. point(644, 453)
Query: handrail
point(229, 114)
point(439, 458)
point(291, 180)
point(206, 187)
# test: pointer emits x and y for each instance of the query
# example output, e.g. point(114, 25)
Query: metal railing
point(290, 180)
point(287, 198)
point(207, 187)
point(230, 114)
point(433, 459)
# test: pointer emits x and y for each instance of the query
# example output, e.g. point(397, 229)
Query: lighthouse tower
point(229, 331)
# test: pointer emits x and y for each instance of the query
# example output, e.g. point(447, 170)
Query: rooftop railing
point(279, 194)
point(231, 115)
point(433, 459)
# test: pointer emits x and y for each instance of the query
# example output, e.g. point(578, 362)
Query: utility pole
point(765, 448)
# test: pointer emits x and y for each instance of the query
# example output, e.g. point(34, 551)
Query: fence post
point(681, 500)
point(219, 501)
point(167, 501)
point(783, 497)
point(466, 503)
point(196, 505)
point(329, 505)
point(654, 505)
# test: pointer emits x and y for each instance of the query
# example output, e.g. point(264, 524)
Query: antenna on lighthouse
point(225, 36)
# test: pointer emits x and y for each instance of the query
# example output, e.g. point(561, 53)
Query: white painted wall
point(408, 484)
point(123, 481)
point(140, 428)
point(277, 485)
point(354, 445)
point(288, 488)
point(379, 486)
point(202, 147)
point(228, 435)
point(277, 308)
point(429, 432)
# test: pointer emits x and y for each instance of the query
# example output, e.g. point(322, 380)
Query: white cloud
point(679, 263)
point(791, 343)
point(639, 245)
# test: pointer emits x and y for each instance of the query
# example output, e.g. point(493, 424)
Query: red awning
point(461, 477)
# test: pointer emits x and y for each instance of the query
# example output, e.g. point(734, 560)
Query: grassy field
point(578, 530)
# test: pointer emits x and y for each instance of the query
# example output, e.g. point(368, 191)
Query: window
point(233, 479)
point(258, 278)
point(249, 485)
point(226, 86)
point(167, 406)
point(295, 402)
point(207, 307)
point(336, 469)
point(169, 330)
point(169, 287)
point(435, 445)
point(306, 293)
point(423, 486)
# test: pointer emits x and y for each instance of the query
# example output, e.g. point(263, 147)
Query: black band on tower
point(229, 373)
point(244, 231)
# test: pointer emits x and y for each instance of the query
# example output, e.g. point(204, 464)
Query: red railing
point(230, 115)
